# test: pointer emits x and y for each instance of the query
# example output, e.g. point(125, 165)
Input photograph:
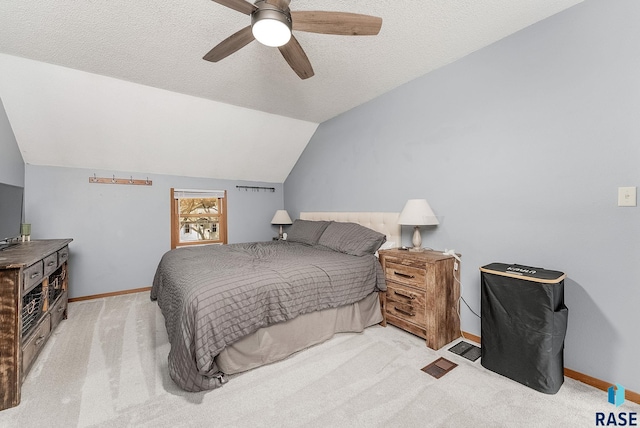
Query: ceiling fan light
point(271, 27)
point(271, 32)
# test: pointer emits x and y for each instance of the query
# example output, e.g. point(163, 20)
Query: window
point(198, 217)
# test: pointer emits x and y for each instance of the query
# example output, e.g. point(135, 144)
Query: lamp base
point(416, 249)
point(416, 240)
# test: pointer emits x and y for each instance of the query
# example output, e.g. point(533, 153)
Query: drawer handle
point(407, 313)
point(61, 308)
point(35, 275)
point(51, 263)
point(406, 296)
point(39, 340)
point(404, 275)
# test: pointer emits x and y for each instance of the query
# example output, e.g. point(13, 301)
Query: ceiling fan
point(272, 22)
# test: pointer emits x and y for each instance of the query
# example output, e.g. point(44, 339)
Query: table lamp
point(417, 212)
point(281, 218)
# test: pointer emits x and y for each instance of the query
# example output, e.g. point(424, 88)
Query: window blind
point(197, 194)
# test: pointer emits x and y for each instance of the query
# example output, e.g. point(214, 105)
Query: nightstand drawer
point(406, 303)
point(407, 295)
point(407, 311)
point(408, 275)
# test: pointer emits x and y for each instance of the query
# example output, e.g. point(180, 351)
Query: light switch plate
point(626, 196)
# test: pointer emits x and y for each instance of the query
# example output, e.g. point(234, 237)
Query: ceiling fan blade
point(340, 23)
point(239, 5)
point(280, 4)
point(297, 59)
point(230, 45)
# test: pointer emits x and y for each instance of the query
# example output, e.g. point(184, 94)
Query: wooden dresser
point(33, 301)
point(422, 295)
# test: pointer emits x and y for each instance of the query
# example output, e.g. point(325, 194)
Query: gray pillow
point(351, 238)
point(306, 231)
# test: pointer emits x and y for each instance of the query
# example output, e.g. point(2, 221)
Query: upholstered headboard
point(386, 223)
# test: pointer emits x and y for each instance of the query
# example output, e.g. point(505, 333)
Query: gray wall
point(120, 232)
point(11, 162)
point(519, 149)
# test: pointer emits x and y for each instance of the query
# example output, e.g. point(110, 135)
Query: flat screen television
point(11, 203)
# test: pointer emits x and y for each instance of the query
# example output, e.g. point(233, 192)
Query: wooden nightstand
point(422, 296)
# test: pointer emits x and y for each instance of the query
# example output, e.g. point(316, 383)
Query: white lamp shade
point(417, 212)
point(281, 217)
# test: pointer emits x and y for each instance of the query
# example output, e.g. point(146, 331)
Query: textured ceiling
point(160, 44)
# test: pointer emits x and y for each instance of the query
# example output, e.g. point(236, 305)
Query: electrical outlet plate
point(626, 196)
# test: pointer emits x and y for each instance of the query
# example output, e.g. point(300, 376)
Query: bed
point(232, 308)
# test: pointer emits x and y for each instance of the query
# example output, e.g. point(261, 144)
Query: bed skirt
point(278, 341)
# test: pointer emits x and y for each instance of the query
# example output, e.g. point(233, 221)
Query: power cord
point(456, 277)
point(472, 311)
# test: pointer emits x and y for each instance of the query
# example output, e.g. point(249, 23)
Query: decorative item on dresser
point(33, 301)
point(422, 294)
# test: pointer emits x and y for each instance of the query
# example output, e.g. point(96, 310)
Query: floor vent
point(439, 367)
point(466, 350)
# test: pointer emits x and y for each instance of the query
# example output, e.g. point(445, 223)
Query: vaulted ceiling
point(121, 85)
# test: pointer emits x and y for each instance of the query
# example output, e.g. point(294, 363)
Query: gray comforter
point(213, 295)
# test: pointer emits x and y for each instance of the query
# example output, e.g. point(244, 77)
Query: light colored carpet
point(106, 366)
